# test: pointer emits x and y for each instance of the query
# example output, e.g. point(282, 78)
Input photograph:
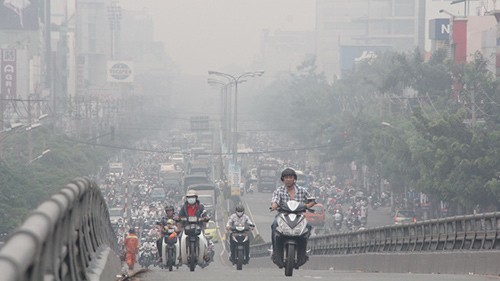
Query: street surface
point(262, 269)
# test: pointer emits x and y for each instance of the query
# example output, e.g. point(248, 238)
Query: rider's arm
point(229, 222)
point(309, 203)
point(249, 222)
point(275, 200)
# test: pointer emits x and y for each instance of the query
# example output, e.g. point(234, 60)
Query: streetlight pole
point(236, 79)
point(223, 107)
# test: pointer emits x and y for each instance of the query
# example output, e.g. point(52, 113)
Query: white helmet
point(191, 193)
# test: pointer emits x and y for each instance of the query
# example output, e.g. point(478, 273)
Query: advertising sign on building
point(234, 178)
point(120, 71)
point(200, 123)
point(350, 54)
point(8, 73)
point(439, 29)
point(20, 14)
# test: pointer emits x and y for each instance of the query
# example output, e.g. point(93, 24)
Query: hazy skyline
point(211, 34)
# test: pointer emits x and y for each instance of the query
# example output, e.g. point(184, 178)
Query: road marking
point(251, 216)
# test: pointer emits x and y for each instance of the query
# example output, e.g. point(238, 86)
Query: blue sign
point(439, 29)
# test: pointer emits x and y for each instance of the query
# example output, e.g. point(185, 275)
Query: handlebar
point(192, 219)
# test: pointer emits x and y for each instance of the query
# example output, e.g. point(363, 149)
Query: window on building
point(404, 27)
point(379, 28)
point(404, 8)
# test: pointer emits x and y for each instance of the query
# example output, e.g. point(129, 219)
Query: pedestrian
point(131, 244)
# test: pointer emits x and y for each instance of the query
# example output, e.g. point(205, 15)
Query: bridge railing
point(61, 238)
point(461, 233)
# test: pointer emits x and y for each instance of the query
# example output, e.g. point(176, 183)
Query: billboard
point(8, 71)
point(20, 14)
point(439, 29)
point(349, 54)
point(200, 123)
point(120, 71)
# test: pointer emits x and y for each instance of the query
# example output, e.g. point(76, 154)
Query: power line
point(202, 153)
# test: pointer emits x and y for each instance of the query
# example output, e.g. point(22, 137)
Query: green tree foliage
point(443, 136)
point(24, 185)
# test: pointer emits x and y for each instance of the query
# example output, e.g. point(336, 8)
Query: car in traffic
point(316, 217)
point(404, 216)
point(211, 231)
point(158, 194)
point(116, 215)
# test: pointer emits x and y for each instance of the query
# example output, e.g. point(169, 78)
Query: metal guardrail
point(461, 233)
point(60, 239)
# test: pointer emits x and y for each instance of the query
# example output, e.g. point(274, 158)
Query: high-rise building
point(282, 52)
point(347, 29)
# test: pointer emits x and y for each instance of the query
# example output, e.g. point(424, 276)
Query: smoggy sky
point(203, 35)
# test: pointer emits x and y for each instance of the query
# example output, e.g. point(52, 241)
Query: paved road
point(263, 270)
point(257, 270)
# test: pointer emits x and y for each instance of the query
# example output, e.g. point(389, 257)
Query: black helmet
point(169, 208)
point(288, 172)
point(240, 208)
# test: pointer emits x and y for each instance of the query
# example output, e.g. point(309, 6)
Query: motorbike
point(193, 243)
point(251, 188)
point(170, 250)
point(154, 258)
point(292, 233)
point(146, 259)
point(239, 235)
point(337, 221)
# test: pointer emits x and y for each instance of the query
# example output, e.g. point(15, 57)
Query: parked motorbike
point(170, 250)
point(239, 234)
point(292, 233)
point(193, 243)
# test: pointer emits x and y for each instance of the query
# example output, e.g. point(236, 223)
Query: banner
point(20, 14)
point(120, 71)
point(8, 73)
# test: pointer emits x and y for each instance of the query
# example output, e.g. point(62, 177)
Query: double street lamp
point(235, 79)
point(224, 108)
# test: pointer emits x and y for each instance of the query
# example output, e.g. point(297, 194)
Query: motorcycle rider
point(288, 191)
point(146, 247)
point(193, 207)
point(338, 218)
point(239, 217)
point(169, 215)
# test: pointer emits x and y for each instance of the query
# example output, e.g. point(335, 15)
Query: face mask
point(239, 214)
point(191, 200)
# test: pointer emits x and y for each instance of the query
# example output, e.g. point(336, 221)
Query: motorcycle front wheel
point(239, 262)
point(170, 259)
point(290, 260)
point(192, 256)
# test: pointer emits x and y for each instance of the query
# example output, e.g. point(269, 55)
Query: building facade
point(365, 26)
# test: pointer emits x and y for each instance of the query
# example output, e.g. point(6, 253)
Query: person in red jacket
point(131, 244)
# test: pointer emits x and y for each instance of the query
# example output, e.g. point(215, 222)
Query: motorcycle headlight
point(288, 231)
point(240, 228)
